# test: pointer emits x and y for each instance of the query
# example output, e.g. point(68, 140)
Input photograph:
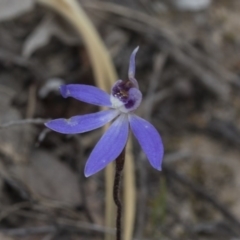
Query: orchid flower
point(125, 97)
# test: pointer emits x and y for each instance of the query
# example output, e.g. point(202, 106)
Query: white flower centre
point(116, 103)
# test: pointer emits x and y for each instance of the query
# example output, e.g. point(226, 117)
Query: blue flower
point(125, 97)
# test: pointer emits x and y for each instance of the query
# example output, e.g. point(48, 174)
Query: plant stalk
point(116, 189)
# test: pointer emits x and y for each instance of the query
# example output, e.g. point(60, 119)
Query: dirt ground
point(188, 68)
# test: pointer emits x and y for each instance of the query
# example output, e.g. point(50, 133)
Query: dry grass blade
point(105, 76)
point(129, 193)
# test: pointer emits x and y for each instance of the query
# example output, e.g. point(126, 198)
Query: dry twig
point(37, 121)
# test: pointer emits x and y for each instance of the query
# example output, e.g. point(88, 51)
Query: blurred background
point(188, 69)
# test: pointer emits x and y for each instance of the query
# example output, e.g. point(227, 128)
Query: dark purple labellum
point(121, 89)
point(125, 96)
point(129, 104)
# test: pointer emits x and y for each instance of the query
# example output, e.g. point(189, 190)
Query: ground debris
point(188, 69)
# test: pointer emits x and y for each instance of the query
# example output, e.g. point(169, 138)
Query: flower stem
point(119, 167)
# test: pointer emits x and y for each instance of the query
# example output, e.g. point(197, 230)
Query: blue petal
point(81, 124)
point(131, 70)
point(109, 146)
point(149, 139)
point(86, 93)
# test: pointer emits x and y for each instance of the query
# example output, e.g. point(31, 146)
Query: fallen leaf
point(43, 33)
point(52, 85)
point(45, 176)
point(14, 8)
point(15, 142)
point(4, 237)
point(190, 5)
